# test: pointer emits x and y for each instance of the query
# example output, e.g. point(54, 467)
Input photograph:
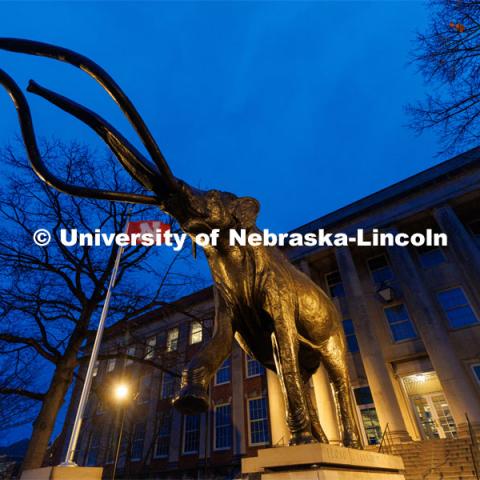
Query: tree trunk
point(45, 421)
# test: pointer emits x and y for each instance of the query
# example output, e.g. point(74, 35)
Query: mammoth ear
point(245, 210)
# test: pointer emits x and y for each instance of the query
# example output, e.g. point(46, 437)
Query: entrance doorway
point(430, 406)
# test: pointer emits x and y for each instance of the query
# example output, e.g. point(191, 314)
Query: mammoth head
point(206, 210)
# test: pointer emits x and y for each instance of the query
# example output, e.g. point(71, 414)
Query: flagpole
point(77, 424)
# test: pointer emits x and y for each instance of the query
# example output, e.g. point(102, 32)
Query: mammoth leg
point(285, 351)
point(333, 356)
point(317, 430)
point(193, 396)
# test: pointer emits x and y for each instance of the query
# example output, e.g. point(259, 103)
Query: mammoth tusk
point(107, 82)
point(135, 163)
point(28, 134)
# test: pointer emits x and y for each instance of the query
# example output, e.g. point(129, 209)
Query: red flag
point(152, 227)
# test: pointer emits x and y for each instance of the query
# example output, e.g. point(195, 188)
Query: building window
point(196, 332)
point(352, 342)
point(334, 284)
point(169, 384)
point(93, 448)
point(399, 322)
point(476, 371)
point(138, 438)
point(130, 353)
point(162, 442)
point(254, 367)
point(223, 373)
point(144, 389)
point(380, 269)
point(172, 339)
point(111, 365)
point(368, 414)
point(223, 427)
point(150, 348)
point(456, 307)
point(95, 368)
point(258, 421)
point(430, 256)
point(191, 433)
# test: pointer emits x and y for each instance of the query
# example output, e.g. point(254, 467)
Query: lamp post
point(121, 394)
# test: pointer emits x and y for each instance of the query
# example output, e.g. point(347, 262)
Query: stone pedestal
point(318, 461)
point(63, 473)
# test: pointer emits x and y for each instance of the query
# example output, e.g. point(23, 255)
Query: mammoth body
point(276, 313)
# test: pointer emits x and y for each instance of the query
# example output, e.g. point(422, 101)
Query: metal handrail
point(386, 441)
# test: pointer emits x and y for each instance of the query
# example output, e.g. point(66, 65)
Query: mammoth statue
point(275, 312)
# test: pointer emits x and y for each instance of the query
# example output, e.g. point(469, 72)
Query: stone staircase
point(443, 459)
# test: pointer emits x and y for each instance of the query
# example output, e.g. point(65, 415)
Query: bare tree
point(448, 56)
point(50, 297)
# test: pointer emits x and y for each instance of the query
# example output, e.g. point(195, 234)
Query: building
point(412, 321)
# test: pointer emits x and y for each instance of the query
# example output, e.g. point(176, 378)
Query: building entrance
point(430, 405)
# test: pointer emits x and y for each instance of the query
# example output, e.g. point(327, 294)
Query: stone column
point(277, 410)
point(378, 374)
point(463, 246)
point(458, 388)
point(325, 403)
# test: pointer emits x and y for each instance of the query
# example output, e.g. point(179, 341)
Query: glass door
point(434, 416)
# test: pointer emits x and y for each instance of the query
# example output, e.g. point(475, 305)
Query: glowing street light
point(121, 392)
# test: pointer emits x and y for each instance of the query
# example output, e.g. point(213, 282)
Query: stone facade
point(412, 320)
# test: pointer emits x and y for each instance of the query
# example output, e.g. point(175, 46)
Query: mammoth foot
point(191, 399)
point(300, 438)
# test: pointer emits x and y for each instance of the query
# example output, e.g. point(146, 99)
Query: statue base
point(320, 461)
point(63, 473)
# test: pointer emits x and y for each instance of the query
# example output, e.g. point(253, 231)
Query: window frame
point(371, 272)
point(130, 349)
point(428, 250)
point(164, 414)
point(256, 444)
point(141, 399)
point(216, 383)
point(469, 303)
point(94, 434)
point(222, 449)
point(110, 362)
point(162, 383)
point(353, 334)
point(132, 458)
point(358, 410)
point(191, 452)
point(330, 286)
point(475, 376)
point(192, 333)
point(389, 325)
point(169, 341)
point(247, 360)
point(151, 344)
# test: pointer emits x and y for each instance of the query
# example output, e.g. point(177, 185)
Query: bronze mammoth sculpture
point(276, 313)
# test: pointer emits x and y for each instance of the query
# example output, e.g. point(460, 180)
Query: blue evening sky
point(300, 105)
